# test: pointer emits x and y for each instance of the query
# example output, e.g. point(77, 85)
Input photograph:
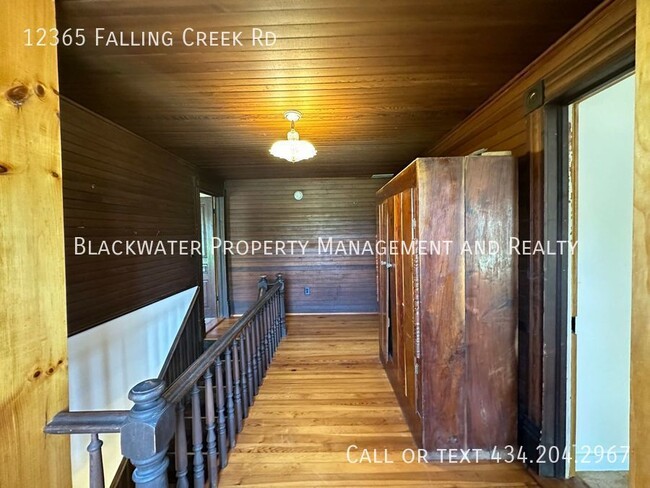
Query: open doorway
point(599, 304)
point(213, 265)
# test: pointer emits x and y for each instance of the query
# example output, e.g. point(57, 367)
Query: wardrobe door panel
point(490, 311)
point(382, 281)
point(442, 305)
point(408, 319)
point(398, 275)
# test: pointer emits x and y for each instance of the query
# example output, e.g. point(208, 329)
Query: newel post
point(262, 285)
point(146, 435)
point(283, 318)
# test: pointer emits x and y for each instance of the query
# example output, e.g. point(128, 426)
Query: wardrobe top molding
point(407, 178)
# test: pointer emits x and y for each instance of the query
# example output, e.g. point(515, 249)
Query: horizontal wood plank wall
point(501, 123)
point(341, 208)
point(117, 185)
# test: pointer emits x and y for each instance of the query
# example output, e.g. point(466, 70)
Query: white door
point(605, 163)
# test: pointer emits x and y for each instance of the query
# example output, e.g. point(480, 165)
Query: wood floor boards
point(326, 390)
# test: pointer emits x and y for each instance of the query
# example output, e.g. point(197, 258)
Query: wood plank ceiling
point(378, 82)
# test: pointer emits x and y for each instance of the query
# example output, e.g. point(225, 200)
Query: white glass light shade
point(293, 149)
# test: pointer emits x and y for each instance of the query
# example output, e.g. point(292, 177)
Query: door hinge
point(573, 325)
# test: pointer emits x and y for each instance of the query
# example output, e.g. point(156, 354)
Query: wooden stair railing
point(215, 392)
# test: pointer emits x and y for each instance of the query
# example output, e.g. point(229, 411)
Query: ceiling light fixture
point(293, 149)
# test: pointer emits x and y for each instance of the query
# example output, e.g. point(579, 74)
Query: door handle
point(387, 264)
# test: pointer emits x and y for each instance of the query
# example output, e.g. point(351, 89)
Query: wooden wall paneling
point(32, 274)
point(603, 37)
point(117, 186)
point(341, 208)
point(490, 311)
point(640, 403)
point(356, 73)
point(442, 314)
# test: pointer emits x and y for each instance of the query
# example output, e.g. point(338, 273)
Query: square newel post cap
point(151, 423)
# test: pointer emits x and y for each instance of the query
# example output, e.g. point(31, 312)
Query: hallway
point(326, 390)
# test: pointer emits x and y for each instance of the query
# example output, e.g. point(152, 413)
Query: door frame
point(220, 262)
point(555, 323)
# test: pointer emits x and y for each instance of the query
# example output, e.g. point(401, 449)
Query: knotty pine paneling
point(341, 208)
point(117, 185)
point(34, 386)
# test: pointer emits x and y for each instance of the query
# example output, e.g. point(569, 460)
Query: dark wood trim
point(598, 79)
point(556, 212)
point(87, 422)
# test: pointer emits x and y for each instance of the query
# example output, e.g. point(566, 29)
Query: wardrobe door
point(397, 277)
point(407, 305)
point(442, 311)
point(382, 282)
point(491, 373)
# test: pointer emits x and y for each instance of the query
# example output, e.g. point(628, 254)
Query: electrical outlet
point(307, 290)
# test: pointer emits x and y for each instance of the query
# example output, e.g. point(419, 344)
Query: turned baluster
point(243, 373)
point(278, 321)
point(276, 328)
point(197, 437)
point(264, 342)
point(210, 437)
point(180, 443)
point(283, 323)
point(221, 416)
point(260, 349)
point(236, 370)
point(272, 327)
point(267, 336)
point(230, 404)
point(255, 351)
point(249, 363)
point(96, 462)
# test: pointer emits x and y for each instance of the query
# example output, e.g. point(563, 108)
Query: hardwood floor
point(326, 390)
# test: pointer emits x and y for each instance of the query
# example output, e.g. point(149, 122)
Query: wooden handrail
point(232, 370)
point(184, 382)
point(87, 422)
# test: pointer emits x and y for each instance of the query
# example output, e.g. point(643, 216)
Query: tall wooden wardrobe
point(447, 304)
